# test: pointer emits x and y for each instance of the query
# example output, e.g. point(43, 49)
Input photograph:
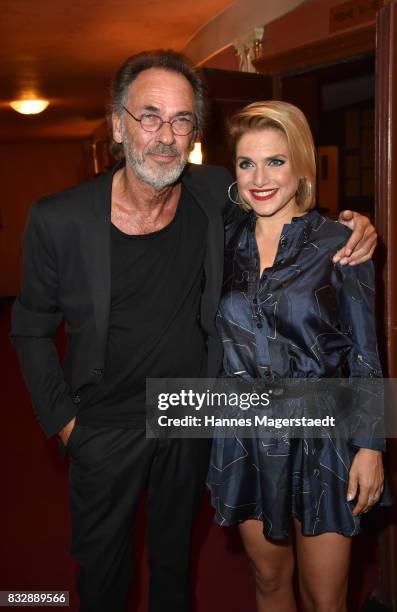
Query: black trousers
point(109, 469)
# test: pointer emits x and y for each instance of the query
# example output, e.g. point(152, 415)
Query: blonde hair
point(288, 119)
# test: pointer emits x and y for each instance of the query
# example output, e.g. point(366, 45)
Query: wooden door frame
point(386, 166)
point(386, 223)
point(330, 50)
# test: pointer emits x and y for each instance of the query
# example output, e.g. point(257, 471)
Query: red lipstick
point(263, 194)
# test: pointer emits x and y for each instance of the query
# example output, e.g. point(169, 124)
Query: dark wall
point(228, 92)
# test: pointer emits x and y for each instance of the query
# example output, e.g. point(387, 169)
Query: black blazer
point(67, 277)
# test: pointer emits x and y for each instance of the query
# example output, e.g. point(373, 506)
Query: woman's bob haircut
point(288, 119)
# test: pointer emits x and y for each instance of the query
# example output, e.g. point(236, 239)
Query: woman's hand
point(362, 242)
point(366, 478)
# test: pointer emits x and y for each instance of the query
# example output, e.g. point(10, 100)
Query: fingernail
point(343, 261)
point(350, 497)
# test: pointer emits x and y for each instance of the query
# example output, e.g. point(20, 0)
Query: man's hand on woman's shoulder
point(361, 244)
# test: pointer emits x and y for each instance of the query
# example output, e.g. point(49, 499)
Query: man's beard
point(159, 176)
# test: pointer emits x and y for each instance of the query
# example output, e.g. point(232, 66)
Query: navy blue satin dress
point(304, 318)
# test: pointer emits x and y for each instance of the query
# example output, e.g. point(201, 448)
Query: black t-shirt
point(154, 328)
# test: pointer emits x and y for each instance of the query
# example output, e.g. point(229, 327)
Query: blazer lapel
point(213, 263)
point(98, 253)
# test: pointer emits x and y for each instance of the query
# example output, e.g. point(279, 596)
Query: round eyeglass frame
point(161, 123)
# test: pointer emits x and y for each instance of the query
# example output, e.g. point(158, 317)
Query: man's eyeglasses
point(181, 126)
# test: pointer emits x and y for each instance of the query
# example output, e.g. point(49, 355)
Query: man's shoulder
point(209, 185)
point(75, 199)
point(207, 175)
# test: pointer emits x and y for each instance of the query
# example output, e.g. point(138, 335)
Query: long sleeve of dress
point(357, 303)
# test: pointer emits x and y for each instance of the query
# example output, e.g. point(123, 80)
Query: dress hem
point(278, 537)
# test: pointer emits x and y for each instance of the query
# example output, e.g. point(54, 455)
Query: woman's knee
point(269, 580)
point(323, 601)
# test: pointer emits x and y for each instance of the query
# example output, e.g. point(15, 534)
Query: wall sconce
point(258, 38)
point(248, 48)
point(196, 155)
point(29, 107)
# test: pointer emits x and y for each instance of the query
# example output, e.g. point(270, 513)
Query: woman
point(288, 312)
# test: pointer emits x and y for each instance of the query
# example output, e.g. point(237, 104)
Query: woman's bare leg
point(323, 567)
point(273, 565)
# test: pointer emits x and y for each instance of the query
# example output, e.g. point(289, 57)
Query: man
point(132, 261)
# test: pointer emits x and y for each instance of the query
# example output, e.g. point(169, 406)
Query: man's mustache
point(161, 149)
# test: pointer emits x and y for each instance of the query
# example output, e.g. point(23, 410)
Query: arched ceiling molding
point(233, 23)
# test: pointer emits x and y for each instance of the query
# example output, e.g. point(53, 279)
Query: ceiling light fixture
point(29, 107)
